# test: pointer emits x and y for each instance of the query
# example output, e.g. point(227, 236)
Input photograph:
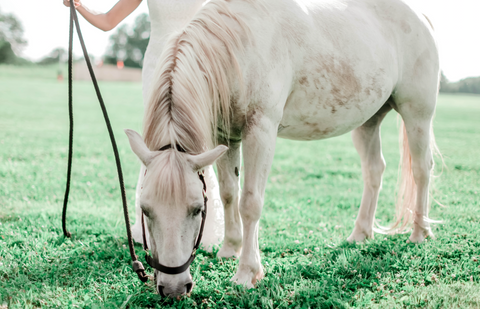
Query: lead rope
point(70, 136)
point(137, 265)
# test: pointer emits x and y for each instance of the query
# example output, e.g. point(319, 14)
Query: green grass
point(312, 199)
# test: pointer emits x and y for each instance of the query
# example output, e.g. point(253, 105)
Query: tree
point(444, 83)
point(469, 85)
point(6, 53)
point(11, 39)
point(58, 55)
point(466, 85)
point(129, 45)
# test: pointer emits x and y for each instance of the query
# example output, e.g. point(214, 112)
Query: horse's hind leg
point(228, 167)
point(415, 97)
point(366, 139)
point(417, 115)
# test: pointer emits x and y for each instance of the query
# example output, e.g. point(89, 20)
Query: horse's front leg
point(258, 145)
point(213, 232)
point(137, 227)
point(228, 167)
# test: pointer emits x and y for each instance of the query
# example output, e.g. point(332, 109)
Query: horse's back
point(342, 60)
point(375, 34)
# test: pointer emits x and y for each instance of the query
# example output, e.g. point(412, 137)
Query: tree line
point(466, 85)
point(11, 39)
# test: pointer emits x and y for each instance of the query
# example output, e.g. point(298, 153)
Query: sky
point(457, 28)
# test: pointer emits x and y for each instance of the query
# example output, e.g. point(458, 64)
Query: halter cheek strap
point(179, 269)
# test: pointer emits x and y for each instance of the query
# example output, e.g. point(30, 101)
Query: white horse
point(243, 72)
point(166, 17)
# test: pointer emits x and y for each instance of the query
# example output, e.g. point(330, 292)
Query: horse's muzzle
point(181, 289)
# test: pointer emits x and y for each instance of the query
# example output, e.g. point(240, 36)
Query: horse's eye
point(145, 213)
point(196, 212)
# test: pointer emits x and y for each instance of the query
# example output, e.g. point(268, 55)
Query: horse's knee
point(251, 206)
point(375, 171)
point(421, 171)
point(227, 198)
point(228, 192)
point(422, 164)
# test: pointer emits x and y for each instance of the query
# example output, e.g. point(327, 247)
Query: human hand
point(77, 3)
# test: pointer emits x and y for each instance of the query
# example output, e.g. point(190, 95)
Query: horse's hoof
point(359, 237)
point(420, 235)
point(356, 238)
point(246, 277)
point(243, 280)
point(228, 252)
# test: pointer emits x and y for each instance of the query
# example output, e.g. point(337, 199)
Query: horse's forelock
point(167, 175)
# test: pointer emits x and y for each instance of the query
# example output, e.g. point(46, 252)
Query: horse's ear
point(205, 159)
point(138, 147)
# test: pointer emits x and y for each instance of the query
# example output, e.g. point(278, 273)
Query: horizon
point(455, 26)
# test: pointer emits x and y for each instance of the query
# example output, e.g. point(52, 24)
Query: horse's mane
point(190, 96)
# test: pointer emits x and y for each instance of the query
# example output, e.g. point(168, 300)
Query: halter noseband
point(179, 269)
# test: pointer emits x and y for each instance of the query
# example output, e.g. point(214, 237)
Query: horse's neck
point(170, 15)
point(186, 111)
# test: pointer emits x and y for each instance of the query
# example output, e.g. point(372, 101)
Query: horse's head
point(172, 202)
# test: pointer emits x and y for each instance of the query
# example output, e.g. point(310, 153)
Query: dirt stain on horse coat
point(405, 27)
point(304, 81)
point(253, 116)
point(344, 84)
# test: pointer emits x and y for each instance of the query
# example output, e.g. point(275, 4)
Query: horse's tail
point(407, 189)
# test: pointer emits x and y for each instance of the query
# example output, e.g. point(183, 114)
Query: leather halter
point(179, 269)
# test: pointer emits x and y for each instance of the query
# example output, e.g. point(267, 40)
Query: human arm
point(106, 21)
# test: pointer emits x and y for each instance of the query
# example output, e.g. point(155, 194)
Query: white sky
point(457, 27)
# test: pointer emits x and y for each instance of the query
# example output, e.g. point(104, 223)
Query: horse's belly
point(319, 115)
point(313, 129)
point(334, 92)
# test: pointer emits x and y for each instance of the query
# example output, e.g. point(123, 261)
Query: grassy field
point(312, 200)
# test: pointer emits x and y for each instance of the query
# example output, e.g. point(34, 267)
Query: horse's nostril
point(189, 287)
point(160, 290)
